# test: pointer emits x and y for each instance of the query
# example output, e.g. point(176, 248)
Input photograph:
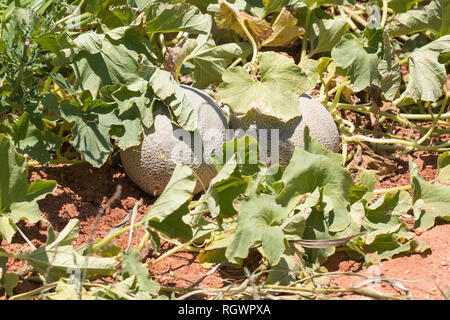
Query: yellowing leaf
point(228, 17)
point(285, 30)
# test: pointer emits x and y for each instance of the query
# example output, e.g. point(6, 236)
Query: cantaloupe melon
point(313, 114)
point(151, 164)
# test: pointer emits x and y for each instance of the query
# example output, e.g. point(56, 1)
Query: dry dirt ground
point(82, 190)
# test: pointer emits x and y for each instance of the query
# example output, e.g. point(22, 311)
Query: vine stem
point(353, 15)
point(435, 121)
point(395, 189)
point(57, 161)
point(401, 118)
point(21, 69)
point(26, 295)
point(385, 12)
point(250, 37)
point(332, 108)
point(74, 13)
point(434, 124)
point(169, 253)
point(413, 144)
point(305, 35)
point(424, 116)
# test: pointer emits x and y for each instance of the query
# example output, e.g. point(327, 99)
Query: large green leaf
point(326, 33)
point(168, 90)
point(259, 222)
point(112, 13)
point(433, 16)
point(31, 140)
point(237, 163)
point(390, 78)
point(92, 123)
point(209, 60)
point(59, 261)
point(426, 74)
point(18, 199)
point(165, 17)
point(102, 61)
point(177, 192)
point(220, 186)
point(387, 234)
point(308, 171)
point(360, 57)
point(135, 111)
point(167, 212)
point(430, 201)
point(275, 94)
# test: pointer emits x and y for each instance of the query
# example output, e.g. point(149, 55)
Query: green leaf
point(317, 229)
point(426, 74)
point(271, 6)
point(259, 221)
point(400, 6)
point(132, 264)
point(164, 17)
point(67, 235)
point(224, 179)
point(275, 94)
point(285, 31)
point(54, 262)
point(211, 60)
point(30, 140)
point(390, 78)
point(433, 16)
point(62, 82)
point(253, 7)
point(110, 12)
point(9, 281)
point(238, 161)
point(306, 172)
point(325, 34)
point(167, 89)
point(360, 57)
point(18, 199)
point(59, 259)
point(167, 212)
point(7, 228)
point(388, 235)
point(102, 61)
point(285, 272)
point(430, 200)
point(444, 166)
point(177, 192)
point(91, 130)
